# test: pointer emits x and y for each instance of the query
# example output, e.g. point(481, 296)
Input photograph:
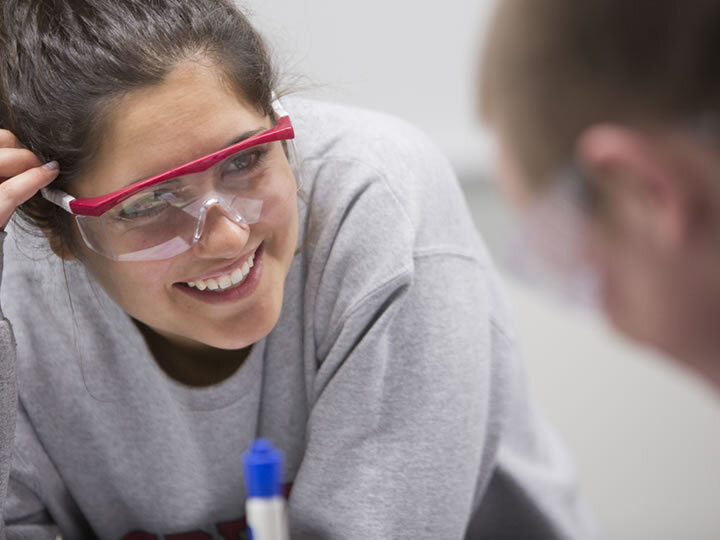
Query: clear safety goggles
point(163, 216)
point(549, 243)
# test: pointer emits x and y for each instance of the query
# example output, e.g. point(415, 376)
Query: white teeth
point(237, 276)
point(226, 281)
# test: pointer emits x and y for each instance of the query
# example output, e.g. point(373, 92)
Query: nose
point(220, 236)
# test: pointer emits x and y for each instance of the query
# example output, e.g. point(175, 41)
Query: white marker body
point(267, 518)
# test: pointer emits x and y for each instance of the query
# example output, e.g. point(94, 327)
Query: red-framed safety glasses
point(162, 216)
point(97, 206)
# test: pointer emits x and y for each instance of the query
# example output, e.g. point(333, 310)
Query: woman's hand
point(21, 175)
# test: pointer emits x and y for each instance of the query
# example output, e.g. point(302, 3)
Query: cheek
point(130, 285)
point(136, 287)
point(284, 229)
point(625, 291)
point(604, 257)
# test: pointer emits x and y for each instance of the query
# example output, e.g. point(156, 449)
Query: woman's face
point(151, 130)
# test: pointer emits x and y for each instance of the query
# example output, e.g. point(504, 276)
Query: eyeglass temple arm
point(277, 106)
point(58, 197)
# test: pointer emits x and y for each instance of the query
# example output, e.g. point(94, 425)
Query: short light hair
point(554, 67)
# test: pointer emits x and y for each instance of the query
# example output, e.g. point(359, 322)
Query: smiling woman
point(191, 301)
point(198, 223)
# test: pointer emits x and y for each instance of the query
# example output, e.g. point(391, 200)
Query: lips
point(227, 280)
point(219, 286)
point(226, 270)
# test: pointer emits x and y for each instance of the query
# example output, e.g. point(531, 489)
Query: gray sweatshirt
point(392, 381)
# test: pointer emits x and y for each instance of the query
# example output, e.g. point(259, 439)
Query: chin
point(231, 341)
point(240, 335)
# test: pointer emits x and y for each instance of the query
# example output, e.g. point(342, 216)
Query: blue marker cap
point(263, 469)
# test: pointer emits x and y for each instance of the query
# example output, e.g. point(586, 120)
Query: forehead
point(190, 114)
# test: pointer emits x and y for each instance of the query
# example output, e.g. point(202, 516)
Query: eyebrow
point(236, 140)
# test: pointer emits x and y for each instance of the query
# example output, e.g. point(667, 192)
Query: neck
point(192, 365)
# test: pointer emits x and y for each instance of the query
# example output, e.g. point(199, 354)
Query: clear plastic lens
point(558, 267)
point(549, 244)
point(254, 185)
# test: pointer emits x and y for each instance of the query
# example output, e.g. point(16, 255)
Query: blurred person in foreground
point(607, 114)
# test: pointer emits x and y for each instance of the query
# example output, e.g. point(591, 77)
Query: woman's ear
point(649, 199)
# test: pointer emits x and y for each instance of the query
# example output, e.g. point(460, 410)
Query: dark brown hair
point(63, 63)
point(554, 67)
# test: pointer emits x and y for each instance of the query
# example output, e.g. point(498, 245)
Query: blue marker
point(265, 509)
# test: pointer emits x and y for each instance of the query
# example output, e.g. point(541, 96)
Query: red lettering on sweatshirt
point(229, 530)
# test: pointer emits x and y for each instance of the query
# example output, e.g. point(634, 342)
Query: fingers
point(8, 140)
point(14, 161)
point(21, 174)
point(18, 189)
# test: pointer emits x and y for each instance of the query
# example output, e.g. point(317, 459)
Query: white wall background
point(415, 59)
point(645, 436)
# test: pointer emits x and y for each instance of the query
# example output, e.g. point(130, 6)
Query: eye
point(244, 161)
point(148, 205)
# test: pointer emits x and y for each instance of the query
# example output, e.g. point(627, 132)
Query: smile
point(235, 283)
point(225, 281)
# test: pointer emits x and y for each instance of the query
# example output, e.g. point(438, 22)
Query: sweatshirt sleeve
point(26, 515)
point(23, 515)
point(8, 398)
point(400, 432)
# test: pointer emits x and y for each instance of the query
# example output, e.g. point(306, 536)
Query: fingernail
point(51, 166)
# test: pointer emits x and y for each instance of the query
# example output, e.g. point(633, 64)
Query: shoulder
point(379, 194)
point(324, 128)
point(346, 154)
point(27, 271)
point(35, 298)
point(378, 147)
